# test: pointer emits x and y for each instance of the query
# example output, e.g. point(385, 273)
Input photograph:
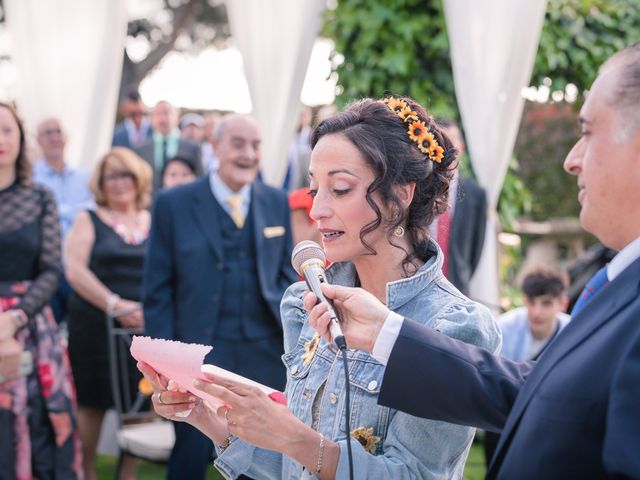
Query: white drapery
point(68, 57)
point(275, 39)
point(493, 47)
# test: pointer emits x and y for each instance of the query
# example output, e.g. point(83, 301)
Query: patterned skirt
point(41, 407)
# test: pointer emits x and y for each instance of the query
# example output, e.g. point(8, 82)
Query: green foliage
point(515, 198)
point(547, 133)
point(392, 46)
point(579, 35)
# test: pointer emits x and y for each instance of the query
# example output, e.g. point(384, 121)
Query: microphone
point(308, 260)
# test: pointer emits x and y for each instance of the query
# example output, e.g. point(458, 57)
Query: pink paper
point(174, 360)
point(182, 363)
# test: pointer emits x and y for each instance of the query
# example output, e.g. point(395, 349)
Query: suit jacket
point(186, 149)
point(184, 261)
point(467, 234)
point(573, 414)
point(121, 136)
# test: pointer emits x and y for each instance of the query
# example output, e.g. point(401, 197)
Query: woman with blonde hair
point(103, 263)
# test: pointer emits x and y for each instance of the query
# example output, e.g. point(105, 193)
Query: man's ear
point(405, 193)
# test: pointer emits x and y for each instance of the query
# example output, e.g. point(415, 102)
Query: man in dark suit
point(460, 230)
point(217, 266)
point(165, 143)
point(135, 129)
point(575, 413)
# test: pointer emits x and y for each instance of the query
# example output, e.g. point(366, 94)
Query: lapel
point(203, 210)
point(259, 216)
point(602, 308)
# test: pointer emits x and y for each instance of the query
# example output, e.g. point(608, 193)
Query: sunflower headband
point(416, 128)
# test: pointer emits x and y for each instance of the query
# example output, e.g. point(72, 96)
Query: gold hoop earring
point(399, 231)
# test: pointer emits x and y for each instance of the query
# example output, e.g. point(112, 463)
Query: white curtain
point(68, 57)
point(493, 48)
point(275, 39)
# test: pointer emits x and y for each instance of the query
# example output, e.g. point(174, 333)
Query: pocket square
point(271, 232)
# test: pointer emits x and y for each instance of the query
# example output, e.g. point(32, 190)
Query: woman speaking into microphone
point(379, 175)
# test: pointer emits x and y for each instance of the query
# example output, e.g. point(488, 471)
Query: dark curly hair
point(382, 138)
point(23, 165)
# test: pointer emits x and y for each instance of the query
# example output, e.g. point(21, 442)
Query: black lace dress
point(37, 412)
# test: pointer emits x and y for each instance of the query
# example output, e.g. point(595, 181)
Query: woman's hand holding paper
point(173, 403)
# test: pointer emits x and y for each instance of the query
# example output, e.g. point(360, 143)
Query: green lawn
point(106, 467)
point(474, 470)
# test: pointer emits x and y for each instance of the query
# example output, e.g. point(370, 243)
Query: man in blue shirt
point(69, 186)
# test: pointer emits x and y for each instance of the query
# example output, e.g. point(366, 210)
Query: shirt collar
point(43, 168)
point(623, 259)
point(222, 192)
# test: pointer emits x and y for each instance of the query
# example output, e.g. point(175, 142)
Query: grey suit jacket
point(186, 149)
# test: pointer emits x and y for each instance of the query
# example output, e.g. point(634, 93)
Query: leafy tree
point(394, 46)
point(579, 35)
point(182, 25)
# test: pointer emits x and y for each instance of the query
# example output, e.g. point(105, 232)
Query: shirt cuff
point(387, 337)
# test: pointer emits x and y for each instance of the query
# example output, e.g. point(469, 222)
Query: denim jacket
point(390, 443)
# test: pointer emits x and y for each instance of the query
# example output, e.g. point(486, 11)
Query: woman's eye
point(312, 193)
point(340, 192)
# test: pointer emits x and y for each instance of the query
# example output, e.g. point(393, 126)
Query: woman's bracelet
point(225, 444)
point(320, 455)
point(112, 300)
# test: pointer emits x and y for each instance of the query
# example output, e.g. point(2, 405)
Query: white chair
point(141, 433)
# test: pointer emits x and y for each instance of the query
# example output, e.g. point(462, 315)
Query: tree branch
point(183, 16)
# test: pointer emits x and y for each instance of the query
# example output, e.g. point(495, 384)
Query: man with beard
point(217, 266)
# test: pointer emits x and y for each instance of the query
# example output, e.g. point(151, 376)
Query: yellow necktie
point(235, 202)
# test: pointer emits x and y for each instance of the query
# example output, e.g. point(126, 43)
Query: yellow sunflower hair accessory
point(416, 129)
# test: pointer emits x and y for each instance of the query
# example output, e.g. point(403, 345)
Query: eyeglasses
point(118, 176)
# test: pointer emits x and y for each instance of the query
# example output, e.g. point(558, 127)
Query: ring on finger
point(159, 398)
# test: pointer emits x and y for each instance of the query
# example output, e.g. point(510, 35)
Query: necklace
point(131, 236)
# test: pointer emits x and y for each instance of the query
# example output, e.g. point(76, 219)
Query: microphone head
point(304, 251)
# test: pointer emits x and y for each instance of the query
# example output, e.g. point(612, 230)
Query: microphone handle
point(314, 277)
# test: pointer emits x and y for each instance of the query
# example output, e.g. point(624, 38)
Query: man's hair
point(133, 96)
point(626, 97)
point(545, 281)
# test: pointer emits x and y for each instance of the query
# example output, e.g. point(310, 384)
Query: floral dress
point(37, 411)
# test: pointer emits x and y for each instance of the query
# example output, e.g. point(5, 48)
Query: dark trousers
point(192, 454)
point(490, 444)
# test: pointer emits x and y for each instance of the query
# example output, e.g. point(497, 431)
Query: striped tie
point(592, 287)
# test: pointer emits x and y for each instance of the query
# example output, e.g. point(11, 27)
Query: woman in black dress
point(37, 406)
point(104, 257)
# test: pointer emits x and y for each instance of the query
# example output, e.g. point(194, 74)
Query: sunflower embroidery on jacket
point(366, 438)
point(310, 349)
